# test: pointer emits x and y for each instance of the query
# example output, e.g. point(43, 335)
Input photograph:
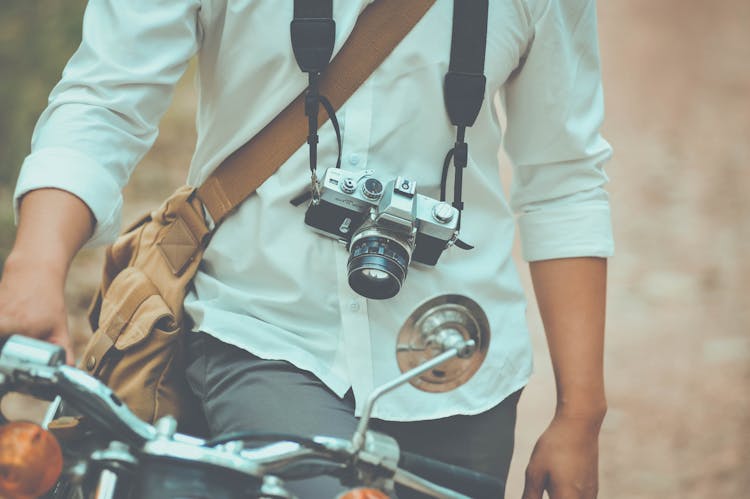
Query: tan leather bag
point(137, 315)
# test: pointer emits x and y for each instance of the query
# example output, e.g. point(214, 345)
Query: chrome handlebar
point(36, 368)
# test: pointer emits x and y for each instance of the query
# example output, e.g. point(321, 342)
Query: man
point(281, 342)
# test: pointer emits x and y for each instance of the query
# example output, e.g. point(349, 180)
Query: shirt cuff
point(567, 232)
point(80, 175)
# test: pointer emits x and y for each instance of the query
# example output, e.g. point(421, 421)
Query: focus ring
point(377, 266)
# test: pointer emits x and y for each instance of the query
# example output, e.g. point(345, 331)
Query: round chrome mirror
point(436, 326)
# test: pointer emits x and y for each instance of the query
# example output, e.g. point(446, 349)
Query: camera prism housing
point(385, 225)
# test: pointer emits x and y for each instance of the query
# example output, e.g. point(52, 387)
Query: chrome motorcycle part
point(437, 326)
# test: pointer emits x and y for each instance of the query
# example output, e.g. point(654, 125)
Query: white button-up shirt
point(269, 284)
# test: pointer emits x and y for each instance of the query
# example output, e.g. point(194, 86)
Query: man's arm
point(53, 225)
point(571, 293)
point(102, 117)
point(555, 108)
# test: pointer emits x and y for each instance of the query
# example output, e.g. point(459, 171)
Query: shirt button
point(354, 159)
point(354, 306)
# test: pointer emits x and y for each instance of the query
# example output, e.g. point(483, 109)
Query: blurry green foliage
point(36, 39)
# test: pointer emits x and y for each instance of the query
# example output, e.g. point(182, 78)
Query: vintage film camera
point(385, 224)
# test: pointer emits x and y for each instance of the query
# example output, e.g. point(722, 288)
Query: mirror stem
point(358, 440)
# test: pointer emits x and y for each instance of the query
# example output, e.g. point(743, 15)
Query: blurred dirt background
point(677, 83)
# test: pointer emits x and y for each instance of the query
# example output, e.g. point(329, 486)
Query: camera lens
point(377, 264)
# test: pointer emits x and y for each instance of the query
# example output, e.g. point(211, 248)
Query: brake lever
point(86, 394)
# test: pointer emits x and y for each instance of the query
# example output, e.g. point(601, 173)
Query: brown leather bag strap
point(381, 26)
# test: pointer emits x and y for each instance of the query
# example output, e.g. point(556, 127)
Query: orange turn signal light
point(30, 460)
point(362, 493)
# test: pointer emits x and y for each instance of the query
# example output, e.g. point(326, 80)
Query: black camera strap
point(464, 88)
point(313, 33)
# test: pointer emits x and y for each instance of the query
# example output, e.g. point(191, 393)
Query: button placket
point(356, 141)
point(356, 343)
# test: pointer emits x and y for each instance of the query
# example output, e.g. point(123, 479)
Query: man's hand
point(53, 225)
point(565, 460)
point(571, 296)
point(32, 303)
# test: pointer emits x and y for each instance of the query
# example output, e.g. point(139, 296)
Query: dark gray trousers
point(241, 392)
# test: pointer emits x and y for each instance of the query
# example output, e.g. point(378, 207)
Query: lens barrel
point(377, 264)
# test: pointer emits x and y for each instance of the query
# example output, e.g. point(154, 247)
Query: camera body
point(350, 200)
point(360, 202)
point(385, 225)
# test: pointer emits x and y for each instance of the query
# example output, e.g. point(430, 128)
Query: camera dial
point(443, 213)
point(349, 185)
point(372, 189)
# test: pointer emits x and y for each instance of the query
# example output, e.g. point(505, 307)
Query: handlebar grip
point(463, 480)
point(18, 348)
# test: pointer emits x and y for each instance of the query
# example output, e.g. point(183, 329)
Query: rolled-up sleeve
point(103, 115)
point(554, 107)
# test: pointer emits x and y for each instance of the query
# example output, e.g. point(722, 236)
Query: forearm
point(53, 226)
point(571, 294)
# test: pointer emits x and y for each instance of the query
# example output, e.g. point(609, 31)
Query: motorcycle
point(121, 456)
